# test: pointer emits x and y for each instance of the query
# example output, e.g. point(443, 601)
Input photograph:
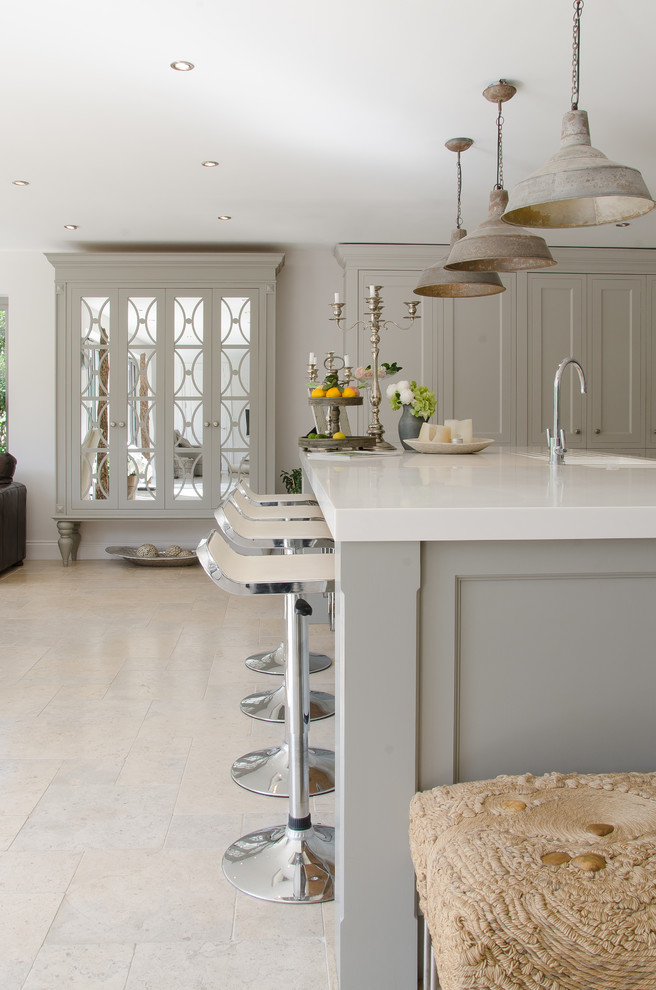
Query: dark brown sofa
point(13, 514)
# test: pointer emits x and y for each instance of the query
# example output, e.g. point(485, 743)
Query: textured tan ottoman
point(540, 883)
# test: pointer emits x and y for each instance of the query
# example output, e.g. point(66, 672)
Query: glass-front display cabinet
point(162, 394)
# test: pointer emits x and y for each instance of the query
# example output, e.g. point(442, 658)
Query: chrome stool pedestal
point(273, 662)
point(266, 771)
point(292, 863)
point(270, 706)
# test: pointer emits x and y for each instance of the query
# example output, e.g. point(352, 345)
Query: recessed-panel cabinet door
point(479, 376)
point(615, 352)
point(556, 321)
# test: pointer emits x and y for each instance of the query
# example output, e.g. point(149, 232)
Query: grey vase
point(409, 426)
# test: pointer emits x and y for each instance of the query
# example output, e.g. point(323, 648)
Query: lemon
point(333, 393)
point(318, 393)
point(348, 393)
point(339, 436)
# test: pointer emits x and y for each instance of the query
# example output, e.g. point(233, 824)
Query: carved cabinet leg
point(69, 539)
point(77, 538)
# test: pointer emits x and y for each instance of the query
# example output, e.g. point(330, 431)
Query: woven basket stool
point(540, 883)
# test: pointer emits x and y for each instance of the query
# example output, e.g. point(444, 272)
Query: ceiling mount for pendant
point(437, 281)
point(494, 246)
point(578, 186)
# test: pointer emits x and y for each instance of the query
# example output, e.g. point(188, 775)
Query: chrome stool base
point(273, 662)
point(266, 771)
point(284, 865)
point(270, 706)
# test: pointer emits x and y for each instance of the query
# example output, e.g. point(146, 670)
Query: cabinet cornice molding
point(570, 260)
point(159, 268)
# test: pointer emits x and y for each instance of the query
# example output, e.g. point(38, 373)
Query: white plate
point(478, 443)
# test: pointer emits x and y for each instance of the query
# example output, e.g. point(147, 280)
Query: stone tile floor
point(119, 720)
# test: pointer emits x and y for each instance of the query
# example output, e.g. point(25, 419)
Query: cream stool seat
point(288, 499)
point(295, 862)
point(295, 511)
point(530, 882)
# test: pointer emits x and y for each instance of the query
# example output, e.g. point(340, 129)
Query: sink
point(592, 458)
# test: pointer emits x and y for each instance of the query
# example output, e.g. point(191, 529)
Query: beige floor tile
point(25, 918)
point(256, 919)
point(249, 965)
point(23, 783)
point(215, 832)
point(99, 817)
point(80, 967)
point(38, 872)
point(126, 895)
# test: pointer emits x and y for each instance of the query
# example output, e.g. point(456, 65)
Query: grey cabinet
point(598, 320)
point(556, 315)
point(163, 398)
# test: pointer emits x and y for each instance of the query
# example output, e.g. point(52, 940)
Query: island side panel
point(376, 689)
point(536, 657)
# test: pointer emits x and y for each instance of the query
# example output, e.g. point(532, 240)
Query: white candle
point(372, 290)
point(347, 361)
point(460, 428)
point(337, 299)
point(312, 359)
point(442, 434)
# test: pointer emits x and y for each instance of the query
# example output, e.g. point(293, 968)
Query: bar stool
point(273, 661)
point(291, 863)
point(289, 536)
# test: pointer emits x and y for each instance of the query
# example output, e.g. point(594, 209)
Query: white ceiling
point(328, 119)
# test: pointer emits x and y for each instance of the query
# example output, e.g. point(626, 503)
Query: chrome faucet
point(556, 441)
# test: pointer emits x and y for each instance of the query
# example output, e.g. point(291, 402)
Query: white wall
point(306, 285)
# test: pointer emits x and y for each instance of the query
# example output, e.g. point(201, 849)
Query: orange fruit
point(349, 393)
point(318, 393)
point(333, 393)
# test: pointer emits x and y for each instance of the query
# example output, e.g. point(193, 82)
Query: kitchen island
point(494, 615)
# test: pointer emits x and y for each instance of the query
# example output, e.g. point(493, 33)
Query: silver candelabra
point(374, 324)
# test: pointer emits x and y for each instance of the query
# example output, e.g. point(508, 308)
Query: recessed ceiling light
point(20, 182)
point(209, 164)
point(624, 223)
point(70, 226)
point(181, 66)
point(224, 217)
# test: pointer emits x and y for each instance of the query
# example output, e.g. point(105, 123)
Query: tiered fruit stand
point(334, 405)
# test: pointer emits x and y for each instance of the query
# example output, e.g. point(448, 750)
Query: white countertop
point(500, 493)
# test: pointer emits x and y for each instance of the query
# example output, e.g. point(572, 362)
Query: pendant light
point(436, 280)
point(578, 186)
point(495, 246)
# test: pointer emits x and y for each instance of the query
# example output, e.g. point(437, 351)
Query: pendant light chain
point(459, 212)
point(499, 184)
point(576, 53)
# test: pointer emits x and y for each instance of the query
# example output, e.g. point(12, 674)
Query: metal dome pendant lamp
point(495, 246)
point(578, 186)
point(436, 280)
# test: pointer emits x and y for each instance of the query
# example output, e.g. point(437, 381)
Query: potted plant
point(418, 403)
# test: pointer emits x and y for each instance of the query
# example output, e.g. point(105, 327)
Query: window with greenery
point(3, 376)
